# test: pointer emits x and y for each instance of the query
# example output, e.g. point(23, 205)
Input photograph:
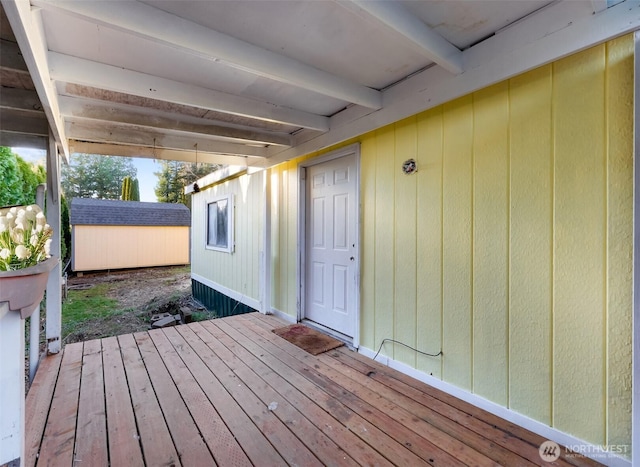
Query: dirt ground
point(141, 292)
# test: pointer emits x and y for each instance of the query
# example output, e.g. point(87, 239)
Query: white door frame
point(350, 150)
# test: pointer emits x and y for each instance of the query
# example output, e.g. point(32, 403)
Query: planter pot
point(24, 289)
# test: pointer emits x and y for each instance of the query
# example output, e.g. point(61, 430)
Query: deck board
point(59, 433)
point(317, 442)
point(157, 444)
point(91, 449)
point(230, 392)
point(190, 446)
point(38, 404)
point(282, 381)
point(124, 439)
point(222, 444)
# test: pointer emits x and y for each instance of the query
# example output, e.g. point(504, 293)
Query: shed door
point(331, 238)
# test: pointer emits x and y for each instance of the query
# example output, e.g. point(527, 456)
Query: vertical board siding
point(491, 243)
point(237, 271)
point(368, 247)
point(429, 248)
point(404, 319)
point(509, 249)
point(531, 245)
point(579, 244)
point(385, 271)
point(457, 249)
point(522, 220)
point(284, 237)
point(619, 95)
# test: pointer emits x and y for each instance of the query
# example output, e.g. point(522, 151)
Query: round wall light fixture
point(410, 166)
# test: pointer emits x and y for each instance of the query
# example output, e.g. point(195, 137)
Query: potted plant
point(25, 261)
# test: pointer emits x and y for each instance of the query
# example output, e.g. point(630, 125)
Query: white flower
point(25, 234)
point(40, 219)
point(22, 252)
point(17, 237)
point(30, 213)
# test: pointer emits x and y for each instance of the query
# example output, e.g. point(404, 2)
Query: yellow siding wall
point(99, 247)
point(240, 270)
point(511, 247)
point(284, 244)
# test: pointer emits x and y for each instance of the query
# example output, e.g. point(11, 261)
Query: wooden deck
point(230, 392)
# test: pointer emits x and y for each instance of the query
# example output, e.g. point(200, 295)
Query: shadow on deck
point(230, 392)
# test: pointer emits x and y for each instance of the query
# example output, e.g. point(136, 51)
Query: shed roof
point(89, 211)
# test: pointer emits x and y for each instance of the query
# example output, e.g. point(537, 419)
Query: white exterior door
point(331, 244)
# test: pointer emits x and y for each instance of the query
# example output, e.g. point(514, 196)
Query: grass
point(88, 304)
point(203, 315)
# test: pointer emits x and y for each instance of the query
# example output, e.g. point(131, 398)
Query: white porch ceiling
point(259, 82)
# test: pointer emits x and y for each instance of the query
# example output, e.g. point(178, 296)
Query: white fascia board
point(529, 44)
point(75, 70)
point(151, 23)
point(27, 27)
point(220, 175)
point(429, 43)
point(77, 111)
point(103, 132)
point(86, 147)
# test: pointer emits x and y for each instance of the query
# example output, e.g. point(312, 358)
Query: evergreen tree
point(130, 189)
point(18, 179)
point(175, 175)
point(135, 190)
point(126, 189)
point(96, 176)
point(11, 192)
point(65, 236)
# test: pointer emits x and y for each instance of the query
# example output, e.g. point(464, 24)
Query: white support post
point(54, 284)
point(635, 384)
point(34, 319)
point(265, 276)
point(11, 387)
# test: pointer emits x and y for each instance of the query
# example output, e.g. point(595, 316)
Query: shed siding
point(100, 247)
point(510, 248)
point(239, 270)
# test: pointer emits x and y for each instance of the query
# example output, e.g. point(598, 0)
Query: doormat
point(308, 339)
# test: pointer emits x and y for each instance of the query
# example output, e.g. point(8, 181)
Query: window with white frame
point(219, 233)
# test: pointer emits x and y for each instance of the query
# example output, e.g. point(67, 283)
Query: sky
point(146, 168)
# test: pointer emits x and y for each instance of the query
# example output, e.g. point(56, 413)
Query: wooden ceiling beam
point(395, 17)
point(20, 99)
point(102, 132)
point(151, 23)
point(76, 110)
point(75, 70)
point(88, 147)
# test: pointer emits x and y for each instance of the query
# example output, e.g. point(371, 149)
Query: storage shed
point(113, 234)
